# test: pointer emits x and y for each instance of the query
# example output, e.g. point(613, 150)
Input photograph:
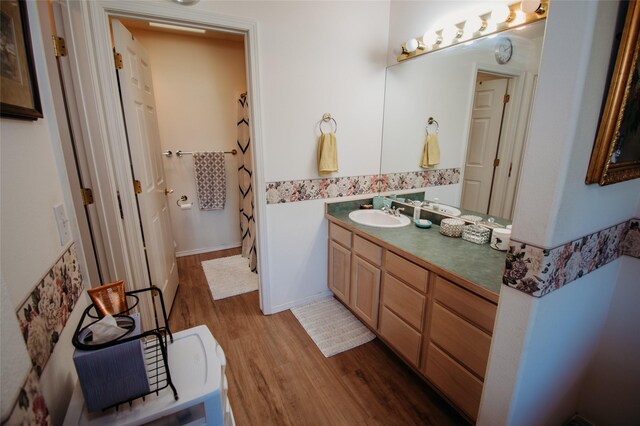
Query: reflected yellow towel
point(327, 154)
point(430, 151)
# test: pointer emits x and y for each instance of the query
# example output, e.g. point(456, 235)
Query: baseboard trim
point(207, 249)
point(306, 300)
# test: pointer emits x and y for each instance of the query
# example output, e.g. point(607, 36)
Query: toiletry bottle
point(416, 211)
point(435, 205)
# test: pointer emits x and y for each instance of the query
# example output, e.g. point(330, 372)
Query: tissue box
point(112, 375)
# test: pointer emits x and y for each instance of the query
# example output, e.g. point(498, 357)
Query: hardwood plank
point(277, 376)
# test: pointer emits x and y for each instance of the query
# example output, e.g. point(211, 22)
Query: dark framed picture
point(616, 152)
point(19, 95)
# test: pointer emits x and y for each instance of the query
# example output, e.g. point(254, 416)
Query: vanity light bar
point(512, 16)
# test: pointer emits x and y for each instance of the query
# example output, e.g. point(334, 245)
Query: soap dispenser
point(416, 210)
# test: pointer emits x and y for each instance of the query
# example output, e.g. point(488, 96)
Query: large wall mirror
point(480, 94)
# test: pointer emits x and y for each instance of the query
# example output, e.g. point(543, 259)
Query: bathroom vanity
point(430, 298)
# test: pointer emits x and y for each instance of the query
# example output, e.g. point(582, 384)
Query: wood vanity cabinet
point(442, 329)
point(354, 273)
point(456, 349)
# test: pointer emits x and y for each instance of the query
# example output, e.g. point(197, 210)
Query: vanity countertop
point(476, 267)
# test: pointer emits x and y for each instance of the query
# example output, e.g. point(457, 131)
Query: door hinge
point(496, 162)
point(137, 186)
point(510, 167)
point(117, 57)
point(59, 48)
point(87, 196)
point(506, 99)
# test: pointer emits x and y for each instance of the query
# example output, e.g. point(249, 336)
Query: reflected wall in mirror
point(482, 108)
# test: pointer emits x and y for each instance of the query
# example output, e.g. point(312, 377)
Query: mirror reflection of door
point(490, 97)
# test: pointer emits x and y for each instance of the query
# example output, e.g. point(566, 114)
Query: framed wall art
point(19, 95)
point(616, 152)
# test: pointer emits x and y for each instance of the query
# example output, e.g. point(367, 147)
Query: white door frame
point(89, 44)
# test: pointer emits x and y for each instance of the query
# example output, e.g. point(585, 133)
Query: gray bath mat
point(331, 326)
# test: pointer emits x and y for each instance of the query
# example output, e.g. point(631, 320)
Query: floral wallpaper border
point(44, 314)
point(314, 189)
point(30, 408)
point(538, 271)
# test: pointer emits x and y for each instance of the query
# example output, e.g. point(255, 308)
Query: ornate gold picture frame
point(616, 152)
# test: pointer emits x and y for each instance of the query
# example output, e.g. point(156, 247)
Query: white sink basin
point(378, 219)
point(451, 211)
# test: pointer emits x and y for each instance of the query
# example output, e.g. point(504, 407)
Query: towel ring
point(326, 118)
point(430, 122)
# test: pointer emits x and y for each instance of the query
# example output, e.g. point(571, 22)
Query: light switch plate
point(63, 223)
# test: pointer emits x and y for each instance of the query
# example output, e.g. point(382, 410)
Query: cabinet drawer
point(474, 308)
point(339, 234)
point(367, 250)
point(409, 272)
point(460, 386)
point(465, 342)
point(400, 335)
point(404, 301)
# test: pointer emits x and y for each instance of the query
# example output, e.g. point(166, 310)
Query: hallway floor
point(277, 376)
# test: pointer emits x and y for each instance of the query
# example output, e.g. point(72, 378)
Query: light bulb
point(474, 24)
point(500, 13)
point(411, 45)
point(451, 32)
point(430, 38)
point(530, 6)
point(520, 18)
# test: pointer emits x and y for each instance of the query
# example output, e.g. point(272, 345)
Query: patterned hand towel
point(211, 181)
point(430, 152)
point(327, 154)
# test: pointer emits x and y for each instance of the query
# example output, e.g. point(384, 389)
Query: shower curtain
point(245, 173)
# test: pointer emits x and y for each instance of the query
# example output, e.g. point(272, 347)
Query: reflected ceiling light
point(186, 2)
point(450, 33)
point(474, 24)
point(532, 6)
point(500, 13)
point(430, 38)
point(176, 27)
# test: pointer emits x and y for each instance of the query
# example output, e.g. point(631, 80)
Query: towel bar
point(180, 153)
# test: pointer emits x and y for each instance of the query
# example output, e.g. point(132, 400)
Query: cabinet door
point(339, 270)
point(365, 291)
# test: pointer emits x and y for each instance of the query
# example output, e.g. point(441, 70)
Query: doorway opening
point(188, 142)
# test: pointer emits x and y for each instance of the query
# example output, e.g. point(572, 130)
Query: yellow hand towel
point(430, 152)
point(327, 154)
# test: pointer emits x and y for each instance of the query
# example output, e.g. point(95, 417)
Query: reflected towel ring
point(430, 122)
point(326, 118)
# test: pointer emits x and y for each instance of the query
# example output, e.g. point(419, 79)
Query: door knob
point(168, 191)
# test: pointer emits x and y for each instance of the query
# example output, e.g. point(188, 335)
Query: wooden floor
point(277, 376)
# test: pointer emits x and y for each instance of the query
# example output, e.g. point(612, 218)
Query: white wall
point(197, 82)
point(33, 181)
point(610, 389)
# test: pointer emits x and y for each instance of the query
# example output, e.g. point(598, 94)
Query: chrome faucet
point(396, 211)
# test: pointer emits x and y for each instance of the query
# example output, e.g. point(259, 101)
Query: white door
point(484, 138)
point(138, 104)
